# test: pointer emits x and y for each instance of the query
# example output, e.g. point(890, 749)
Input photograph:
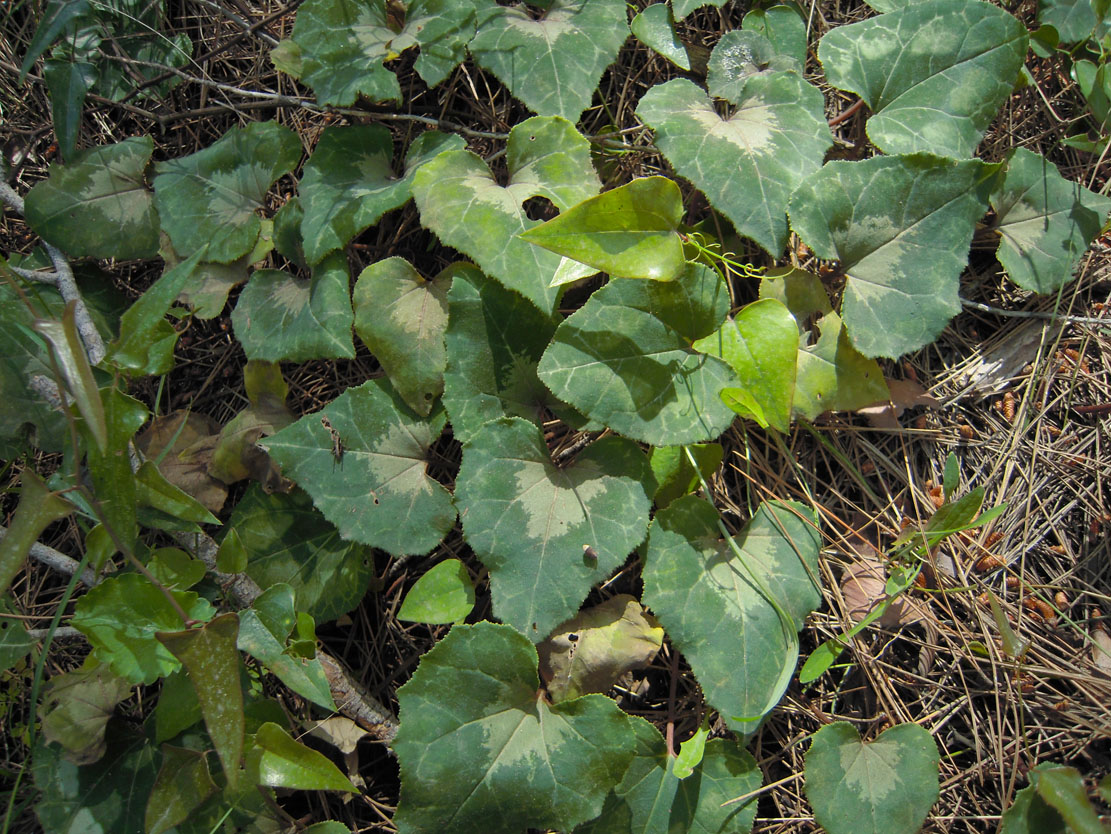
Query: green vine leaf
point(349, 182)
point(211, 196)
point(748, 164)
point(675, 474)
point(120, 617)
point(900, 226)
point(656, 801)
point(832, 375)
point(1046, 222)
point(529, 521)
point(626, 359)
point(494, 339)
point(98, 206)
point(629, 232)
point(715, 614)
point(282, 317)
point(287, 540)
point(882, 787)
point(402, 317)
point(376, 490)
point(474, 731)
point(552, 64)
point(934, 73)
point(340, 47)
point(445, 594)
point(280, 761)
point(461, 202)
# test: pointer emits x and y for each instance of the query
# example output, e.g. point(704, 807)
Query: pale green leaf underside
point(934, 73)
point(349, 182)
point(626, 359)
point(553, 64)
point(474, 732)
point(746, 165)
point(461, 202)
point(728, 632)
point(99, 206)
point(287, 540)
point(210, 197)
point(494, 339)
point(378, 492)
point(528, 521)
point(900, 227)
point(281, 317)
point(884, 787)
point(402, 317)
point(1046, 222)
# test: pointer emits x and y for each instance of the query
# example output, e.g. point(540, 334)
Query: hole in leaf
point(539, 208)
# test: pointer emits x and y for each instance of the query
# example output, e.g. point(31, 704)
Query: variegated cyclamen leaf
point(460, 200)
point(474, 731)
point(98, 206)
point(626, 359)
point(529, 520)
point(657, 801)
point(402, 317)
point(886, 786)
point(282, 317)
point(494, 340)
point(746, 165)
point(363, 460)
point(934, 73)
point(713, 611)
point(784, 28)
point(1046, 222)
point(340, 46)
point(552, 64)
point(210, 197)
point(349, 182)
point(900, 226)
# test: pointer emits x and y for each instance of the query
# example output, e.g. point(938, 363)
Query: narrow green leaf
point(473, 732)
point(529, 521)
point(900, 226)
point(402, 318)
point(629, 232)
point(1063, 789)
point(56, 16)
point(886, 786)
point(68, 82)
point(691, 752)
point(182, 784)
point(38, 508)
point(69, 353)
point(952, 476)
point(210, 657)
point(655, 28)
point(1046, 222)
point(280, 317)
point(153, 490)
point(380, 470)
point(552, 64)
point(110, 470)
point(445, 594)
point(941, 105)
point(279, 761)
point(210, 197)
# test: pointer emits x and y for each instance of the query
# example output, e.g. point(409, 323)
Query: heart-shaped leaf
point(445, 594)
point(183, 783)
point(474, 731)
point(748, 164)
point(76, 707)
point(1046, 222)
point(629, 232)
point(461, 202)
point(282, 317)
point(739, 56)
point(363, 460)
point(495, 339)
point(98, 206)
point(900, 226)
point(626, 359)
point(528, 521)
point(933, 73)
point(886, 786)
point(552, 64)
point(287, 540)
point(349, 182)
point(402, 317)
point(210, 197)
point(714, 611)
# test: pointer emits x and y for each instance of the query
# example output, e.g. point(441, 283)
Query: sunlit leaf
point(673, 471)
point(445, 594)
point(655, 28)
point(280, 761)
point(832, 375)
